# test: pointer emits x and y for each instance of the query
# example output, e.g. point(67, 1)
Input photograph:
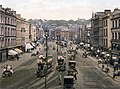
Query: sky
point(59, 9)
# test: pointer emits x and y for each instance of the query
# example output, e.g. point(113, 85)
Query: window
point(115, 35)
point(5, 19)
point(103, 32)
point(11, 32)
point(106, 23)
point(119, 23)
point(106, 32)
point(106, 43)
point(112, 35)
point(8, 31)
point(119, 35)
point(11, 21)
point(8, 42)
point(113, 24)
point(118, 47)
point(8, 20)
point(102, 23)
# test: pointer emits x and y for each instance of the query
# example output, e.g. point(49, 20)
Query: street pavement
point(23, 58)
point(110, 73)
point(90, 75)
point(24, 76)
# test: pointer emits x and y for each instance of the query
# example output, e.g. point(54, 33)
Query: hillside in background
point(60, 22)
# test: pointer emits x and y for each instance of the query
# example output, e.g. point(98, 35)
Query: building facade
point(7, 31)
point(27, 31)
point(106, 30)
point(65, 34)
point(87, 34)
point(95, 28)
point(33, 33)
point(115, 41)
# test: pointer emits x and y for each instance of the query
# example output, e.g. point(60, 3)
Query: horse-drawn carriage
point(61, 63)
point(68, 82)
point(72, 64)
point(44, 67)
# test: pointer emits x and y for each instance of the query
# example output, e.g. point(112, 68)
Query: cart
point(72, 64)
point(61, 64)
point(68, 82)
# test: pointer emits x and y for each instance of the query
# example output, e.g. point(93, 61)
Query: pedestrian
point(17, 57)
point(37, 52)
point(8, 67)
point(113, 74)
point(103, 66)
point(75, 76)
point(99, 61)
point(60, 79)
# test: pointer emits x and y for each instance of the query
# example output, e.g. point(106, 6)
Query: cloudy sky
point(59, 9)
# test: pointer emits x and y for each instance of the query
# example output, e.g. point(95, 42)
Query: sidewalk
point(15, 63)
point(110, 73)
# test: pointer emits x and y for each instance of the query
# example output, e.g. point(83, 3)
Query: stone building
point(106, 30)
point(33, 33)
point(115, 41)
point(7, 31)
point(20, 38)
point(95, 28)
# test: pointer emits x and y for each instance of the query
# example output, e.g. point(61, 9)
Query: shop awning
point(12, 52)
point(18, 50)
point(28, 46)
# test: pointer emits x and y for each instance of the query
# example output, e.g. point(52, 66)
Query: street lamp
point(1, 41)
point(115, 63)
point(107, 55)
point(103, 53)
point(45, 27)
point(92, 48)
point(57, 43)
point(98, 52)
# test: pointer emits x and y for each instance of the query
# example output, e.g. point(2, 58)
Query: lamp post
point(115, 63)
point(103, 53)
point(92, 48)
point(1, 40)
point(78, 36)
point(108, 56)
point(57, 43)
point(46, 59)
point(98, 52)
